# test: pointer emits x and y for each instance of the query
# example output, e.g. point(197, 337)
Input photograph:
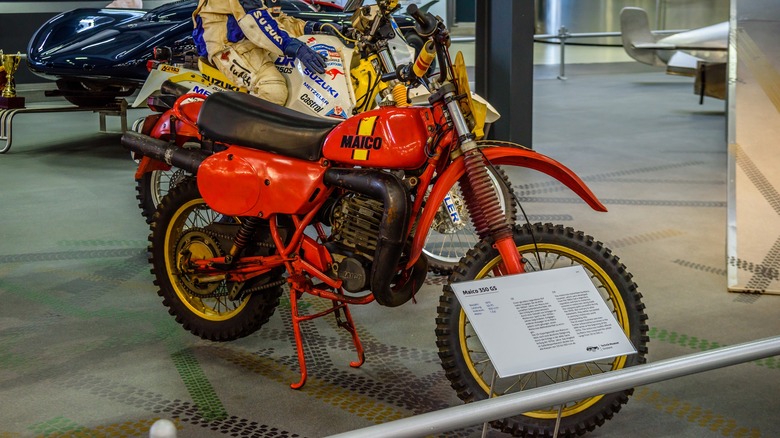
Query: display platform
point(7, 115)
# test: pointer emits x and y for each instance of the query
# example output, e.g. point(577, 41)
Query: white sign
point(541, 320)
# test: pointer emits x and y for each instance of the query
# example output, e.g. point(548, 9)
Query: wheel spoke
point(525, 380)
point(511, 386)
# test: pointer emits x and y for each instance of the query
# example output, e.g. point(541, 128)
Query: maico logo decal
point(365, 141)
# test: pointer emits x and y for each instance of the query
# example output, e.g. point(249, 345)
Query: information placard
point(541, 320)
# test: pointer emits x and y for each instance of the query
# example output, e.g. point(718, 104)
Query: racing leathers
point(243, 40)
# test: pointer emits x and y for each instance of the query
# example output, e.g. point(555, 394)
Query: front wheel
point(470, 370)
point(184, 229)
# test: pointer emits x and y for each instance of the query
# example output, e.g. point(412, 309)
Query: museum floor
point(87, 348)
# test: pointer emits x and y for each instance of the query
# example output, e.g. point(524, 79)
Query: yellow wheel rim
point(563, 256)
point(194, 213)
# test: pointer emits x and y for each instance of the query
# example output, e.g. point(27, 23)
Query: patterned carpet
point(88, 350)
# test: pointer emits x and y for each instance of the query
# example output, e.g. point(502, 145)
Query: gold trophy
point(9, 99)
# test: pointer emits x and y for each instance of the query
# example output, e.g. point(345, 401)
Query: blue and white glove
point(308, 57)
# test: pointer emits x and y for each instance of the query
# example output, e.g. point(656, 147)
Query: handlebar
point(426, 23)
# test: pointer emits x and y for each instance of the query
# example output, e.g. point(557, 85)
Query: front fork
point(480, 195)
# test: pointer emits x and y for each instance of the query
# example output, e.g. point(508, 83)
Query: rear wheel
point(470, 370)
point(153, 186)
point(185, 229)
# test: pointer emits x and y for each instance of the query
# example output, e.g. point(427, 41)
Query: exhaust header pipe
point(388, 189)
point(187, 159)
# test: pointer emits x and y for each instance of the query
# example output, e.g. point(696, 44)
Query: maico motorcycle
point(340, 209)
point(370, 47)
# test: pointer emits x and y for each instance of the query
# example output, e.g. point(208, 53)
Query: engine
point(355, 222)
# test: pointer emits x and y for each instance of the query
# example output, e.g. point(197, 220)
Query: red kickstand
point(296, 322)
point(336, 308)
point(349, 326)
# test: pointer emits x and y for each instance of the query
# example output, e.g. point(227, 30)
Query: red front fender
point(506, 154)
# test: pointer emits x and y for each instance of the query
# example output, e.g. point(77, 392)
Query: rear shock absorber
point(244, 234)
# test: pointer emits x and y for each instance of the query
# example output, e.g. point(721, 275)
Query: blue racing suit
point(243, 39)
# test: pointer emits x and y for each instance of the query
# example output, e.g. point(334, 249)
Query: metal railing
point(562, 36)
point(537, 398)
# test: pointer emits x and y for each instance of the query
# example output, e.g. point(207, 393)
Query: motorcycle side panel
point(248, 182)
point(153, 82)
point(389, 137)
point(194, 80)
point(364, 82)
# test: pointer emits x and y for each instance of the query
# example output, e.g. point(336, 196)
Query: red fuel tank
point(388, 137)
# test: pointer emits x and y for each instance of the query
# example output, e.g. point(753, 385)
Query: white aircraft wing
point(709, 44)
point(654, 46)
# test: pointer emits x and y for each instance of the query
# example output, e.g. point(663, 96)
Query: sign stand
point(560, 406)
point(118, 108)
point(490, 395)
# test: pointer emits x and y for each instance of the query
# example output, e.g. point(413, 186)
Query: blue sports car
point(97, 55)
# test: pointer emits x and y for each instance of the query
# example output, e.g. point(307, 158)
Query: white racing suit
point(243, 40)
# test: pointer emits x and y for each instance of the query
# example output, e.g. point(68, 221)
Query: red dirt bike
point(373, 47)
point(341, 209)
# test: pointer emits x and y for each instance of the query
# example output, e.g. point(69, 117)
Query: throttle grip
point(424, 59)
point(426, 23)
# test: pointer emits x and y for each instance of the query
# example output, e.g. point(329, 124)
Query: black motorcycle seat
point(241, 119)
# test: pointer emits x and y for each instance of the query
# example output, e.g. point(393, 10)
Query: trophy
point(8, 98)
